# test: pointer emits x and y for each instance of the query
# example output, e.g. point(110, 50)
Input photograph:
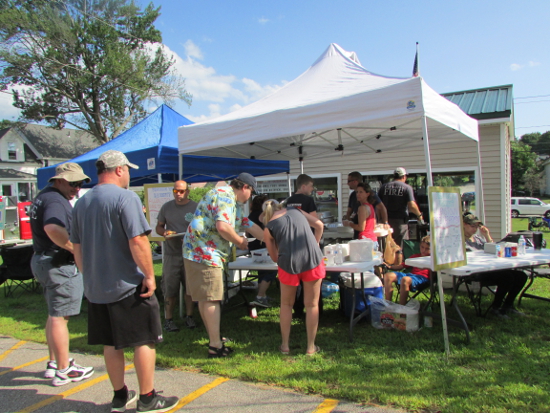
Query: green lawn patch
point(503, 369)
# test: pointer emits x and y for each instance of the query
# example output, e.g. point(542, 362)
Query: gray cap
point(112, 159)
point(400, 171)
point(247, 179)
point(71, 172)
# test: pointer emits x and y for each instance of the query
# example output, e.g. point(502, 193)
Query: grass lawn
point(503, 369)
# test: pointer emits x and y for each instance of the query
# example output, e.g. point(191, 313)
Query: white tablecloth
point(478, 261)
point(247, 263)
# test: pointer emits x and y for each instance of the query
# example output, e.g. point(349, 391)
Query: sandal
point(219, 352)
point(286, 353)
point(317, 350)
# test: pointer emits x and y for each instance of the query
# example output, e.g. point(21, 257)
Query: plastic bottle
point(521, 246)
point(338, 255)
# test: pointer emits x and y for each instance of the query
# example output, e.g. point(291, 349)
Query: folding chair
point(16, 271)
point(429, 290)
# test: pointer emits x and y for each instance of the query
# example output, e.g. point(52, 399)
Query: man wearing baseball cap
point(509, 282)
point(398, 197)
point(206, 249)
point(53, 266)
point(113, 251)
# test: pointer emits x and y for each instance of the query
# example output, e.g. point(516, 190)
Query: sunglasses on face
point(76, 184)
point(179, 191)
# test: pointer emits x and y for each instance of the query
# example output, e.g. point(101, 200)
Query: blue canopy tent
point(152, 144)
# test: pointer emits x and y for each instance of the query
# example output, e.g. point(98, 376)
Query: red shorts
point(309, 275)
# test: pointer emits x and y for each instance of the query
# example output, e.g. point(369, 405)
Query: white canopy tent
point(335, 107)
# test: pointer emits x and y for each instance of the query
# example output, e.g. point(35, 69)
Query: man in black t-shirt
point(302, 198)
point(53, 266)
point(399, 200)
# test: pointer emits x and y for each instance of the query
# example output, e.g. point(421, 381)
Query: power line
point(532, 101)
point(532, 97)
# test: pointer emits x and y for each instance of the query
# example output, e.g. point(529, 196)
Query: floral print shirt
point(202, 242)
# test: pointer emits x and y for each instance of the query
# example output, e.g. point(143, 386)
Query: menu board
point(447, 249)
point(156, 195)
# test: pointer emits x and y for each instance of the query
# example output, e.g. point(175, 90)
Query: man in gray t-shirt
point(112, 249)
point(173, 219)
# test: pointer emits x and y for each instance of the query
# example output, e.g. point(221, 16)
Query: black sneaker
point(189, 322)
point(513, 312)
point(158, 404)
point(497, 312)
point(170, 326)
point(120, 405)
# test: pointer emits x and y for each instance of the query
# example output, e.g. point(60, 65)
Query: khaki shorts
point(173, 274)
point(203, 283)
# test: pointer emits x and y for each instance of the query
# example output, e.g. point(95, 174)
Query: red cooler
point(24, 220)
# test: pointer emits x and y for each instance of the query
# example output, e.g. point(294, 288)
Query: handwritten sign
point(156, 195)
point(448, 250)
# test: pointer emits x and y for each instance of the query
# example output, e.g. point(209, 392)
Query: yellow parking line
point(76, 389)
point(327, 406)
point(24, 365)
point(197, 393)
point(14, 347)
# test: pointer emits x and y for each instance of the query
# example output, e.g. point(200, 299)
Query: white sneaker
point(51, 368)
point(73, 373)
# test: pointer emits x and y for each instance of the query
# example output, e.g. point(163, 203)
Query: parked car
point(529, 206)
point(468, 197)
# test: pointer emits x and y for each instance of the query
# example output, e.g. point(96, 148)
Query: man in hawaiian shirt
point(207, 246)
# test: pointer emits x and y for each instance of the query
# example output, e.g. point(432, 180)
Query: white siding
point(451, 157)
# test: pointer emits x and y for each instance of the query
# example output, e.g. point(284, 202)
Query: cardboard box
point(399, 321)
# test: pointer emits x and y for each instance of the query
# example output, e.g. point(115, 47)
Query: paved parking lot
point(23, 389)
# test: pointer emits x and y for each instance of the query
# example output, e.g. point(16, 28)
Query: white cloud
point(192, 50)
point(224, 92)
point(263, 20)
point(7, 110)
point(516, 66)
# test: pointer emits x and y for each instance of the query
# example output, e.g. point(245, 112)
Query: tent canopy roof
point(152, 145)
point(334, 106)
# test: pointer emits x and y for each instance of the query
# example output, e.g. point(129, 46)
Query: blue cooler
point(373, 287)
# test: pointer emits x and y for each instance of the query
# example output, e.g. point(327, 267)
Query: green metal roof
point(486, 103)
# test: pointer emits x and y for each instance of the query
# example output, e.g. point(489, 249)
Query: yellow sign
point(156, 195)
point(447, 234)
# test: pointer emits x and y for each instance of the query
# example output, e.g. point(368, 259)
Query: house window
point(12, 151)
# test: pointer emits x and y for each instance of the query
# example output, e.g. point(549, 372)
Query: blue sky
point(234, 52)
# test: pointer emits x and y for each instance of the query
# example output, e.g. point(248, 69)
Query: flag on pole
point(415, 66)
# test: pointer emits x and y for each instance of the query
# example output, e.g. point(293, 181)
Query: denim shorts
point(417, 280)
point(63, 286)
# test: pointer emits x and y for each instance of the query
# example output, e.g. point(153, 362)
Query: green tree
point(533, 180)
point(93, 64)
point(523, 160)
point(539, 142)
point(196, 194)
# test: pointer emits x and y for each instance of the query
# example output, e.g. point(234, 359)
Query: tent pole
point(480, 201)
point(427, 151)
point(289, 184)
point(180, 165)
point(439, 282)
